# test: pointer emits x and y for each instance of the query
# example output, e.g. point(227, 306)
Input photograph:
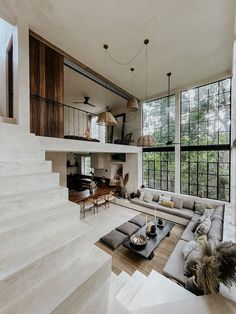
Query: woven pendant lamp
point(132, 103)
point(106, 118)
point(146, 141)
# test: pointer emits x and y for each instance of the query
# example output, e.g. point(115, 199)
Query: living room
point(122, 198)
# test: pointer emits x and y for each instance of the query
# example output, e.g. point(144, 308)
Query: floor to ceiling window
point(159, 161)
point(205, 116)
point(205, 140)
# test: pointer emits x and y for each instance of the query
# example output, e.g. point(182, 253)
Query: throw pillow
point(148, 198)
point(209, 206)
point(208, 212)
point(167, 204)
point(203, 228)
point(164, 198)
point(188, 203)
point(141, 196)
point(156, 197)
point(200, 208)
point(178, 202)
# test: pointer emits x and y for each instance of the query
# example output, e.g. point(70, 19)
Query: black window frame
point(170, 149)
point(207, 147)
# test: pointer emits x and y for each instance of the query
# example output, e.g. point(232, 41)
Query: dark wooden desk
point(76, 197)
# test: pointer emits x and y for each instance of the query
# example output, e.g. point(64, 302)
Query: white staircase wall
point(157, 289)
point(48, 261)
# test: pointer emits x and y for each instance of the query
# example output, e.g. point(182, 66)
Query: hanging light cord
point(105, 62)
point(128, 62)
point(146, 71)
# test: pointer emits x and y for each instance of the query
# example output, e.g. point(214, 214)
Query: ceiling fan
point(85, 102)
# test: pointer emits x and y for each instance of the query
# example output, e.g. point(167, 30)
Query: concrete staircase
point(48, 262)
point(138, 294)
point(132, 293)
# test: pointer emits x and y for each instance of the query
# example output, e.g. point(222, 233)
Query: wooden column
point(46, 81)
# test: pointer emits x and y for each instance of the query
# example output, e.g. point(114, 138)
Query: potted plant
point(214, 266)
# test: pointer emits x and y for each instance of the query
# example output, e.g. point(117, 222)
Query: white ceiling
point(191, 38)
point(76, 86)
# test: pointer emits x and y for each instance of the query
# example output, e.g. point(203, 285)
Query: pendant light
point(132, 103)
point(169, 142)
point(146, 140)
point(106, 118)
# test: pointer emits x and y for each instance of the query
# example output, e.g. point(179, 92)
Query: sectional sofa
point(174, 267)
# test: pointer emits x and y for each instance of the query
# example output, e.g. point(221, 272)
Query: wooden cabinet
point(98, 161)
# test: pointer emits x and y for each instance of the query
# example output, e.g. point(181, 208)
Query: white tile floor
point(106, 220)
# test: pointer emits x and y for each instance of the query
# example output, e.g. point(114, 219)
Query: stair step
point(30, 182)
point(118, 282)
point(76, 281)
point(128, 292)
point(19, 144)
point(26, 266)
point(209, 304)
point(21, 203)
point(16, 167)
point(12, 153)
point(33, 215)
point(158, 289)
point(26, 235)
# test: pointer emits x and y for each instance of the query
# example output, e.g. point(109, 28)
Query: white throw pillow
point(148, 198)
point(141, 196)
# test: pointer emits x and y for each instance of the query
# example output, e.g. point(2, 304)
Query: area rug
point(125, 260)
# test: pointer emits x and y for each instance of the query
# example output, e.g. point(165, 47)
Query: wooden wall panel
point(46, 81)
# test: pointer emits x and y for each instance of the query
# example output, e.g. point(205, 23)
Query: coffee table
point(152, 241)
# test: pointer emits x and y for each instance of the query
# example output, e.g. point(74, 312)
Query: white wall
point(7, 34)
point(20, 33)
point(59, 165)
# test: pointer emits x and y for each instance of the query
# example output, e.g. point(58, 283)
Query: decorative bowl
point(138, 240)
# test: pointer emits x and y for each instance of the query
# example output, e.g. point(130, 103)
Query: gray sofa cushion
point(188, 203)
point(216, 230)
point(174, 267)
point(178, 202)
point(195, 217)
point(184, 213)
point(138, 220)
point(218, 212)
point(188, 234)
point(137, 201)
point(114, 239)
point(128, 228)
point(200, 208)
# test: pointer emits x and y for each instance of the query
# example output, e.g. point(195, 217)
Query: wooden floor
point(125, 260)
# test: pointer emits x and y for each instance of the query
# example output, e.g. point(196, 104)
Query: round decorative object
point(132, 104)
point(160, 223)
point(146, 141)
point(132, 195)
point(151, 229)
point(138, 240)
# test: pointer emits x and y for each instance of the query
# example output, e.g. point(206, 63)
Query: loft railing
point(55, 119)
